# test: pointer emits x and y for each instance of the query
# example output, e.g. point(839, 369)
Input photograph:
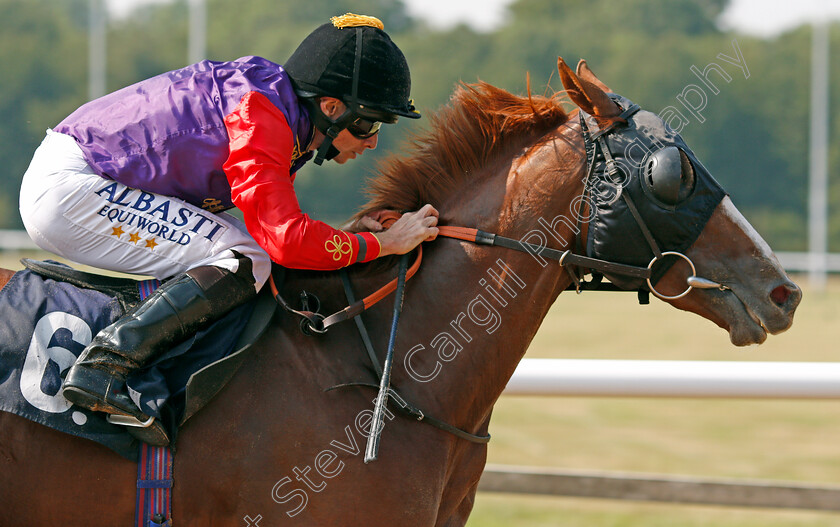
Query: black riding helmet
point(354, 60)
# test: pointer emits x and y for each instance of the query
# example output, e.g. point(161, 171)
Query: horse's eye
point(668, 176)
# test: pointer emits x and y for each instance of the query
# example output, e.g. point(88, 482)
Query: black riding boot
point(175, 311)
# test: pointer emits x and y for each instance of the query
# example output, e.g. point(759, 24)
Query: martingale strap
point(318, 323)
point(411, 411)
point(154, 487)
point(360, 325)
point(354, 311)
point(153, 507)
point(402, 405)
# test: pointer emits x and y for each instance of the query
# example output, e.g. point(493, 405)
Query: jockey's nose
point(371, 141)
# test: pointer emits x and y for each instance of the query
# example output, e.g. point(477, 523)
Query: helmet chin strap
point(331, 128)
point(331, 153)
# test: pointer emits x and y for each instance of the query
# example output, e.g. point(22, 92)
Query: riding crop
point(372, 449)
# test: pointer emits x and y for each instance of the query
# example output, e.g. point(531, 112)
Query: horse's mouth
point(756, 320)
point(748, 326)
point(747, 329)
point(749, 315)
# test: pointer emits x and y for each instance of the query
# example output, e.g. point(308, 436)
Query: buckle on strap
point(159, 521)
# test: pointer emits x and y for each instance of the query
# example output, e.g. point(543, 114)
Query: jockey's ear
point(586, 74)
point(331, 107)
point(589, 97)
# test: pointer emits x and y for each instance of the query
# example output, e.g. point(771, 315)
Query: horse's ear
point(587, 74)
point(589, 97)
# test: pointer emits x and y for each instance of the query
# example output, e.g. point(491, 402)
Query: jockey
point(137, 182)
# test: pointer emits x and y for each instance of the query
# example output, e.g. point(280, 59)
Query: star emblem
point(151, 244)
point(117, 231)
point(134, 237)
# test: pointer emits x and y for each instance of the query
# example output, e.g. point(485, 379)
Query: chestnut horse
point(277, 448)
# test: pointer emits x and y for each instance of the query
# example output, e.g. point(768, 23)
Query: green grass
point(729, 438)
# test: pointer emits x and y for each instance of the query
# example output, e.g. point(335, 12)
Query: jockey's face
point(346, 143)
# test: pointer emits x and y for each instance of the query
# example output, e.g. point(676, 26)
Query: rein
point(318, 323)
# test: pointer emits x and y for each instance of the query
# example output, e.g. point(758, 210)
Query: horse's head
point(652, 204)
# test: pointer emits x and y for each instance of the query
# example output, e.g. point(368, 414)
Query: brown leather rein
point(318, 323)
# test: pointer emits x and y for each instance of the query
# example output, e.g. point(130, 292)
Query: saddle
point(173, 389)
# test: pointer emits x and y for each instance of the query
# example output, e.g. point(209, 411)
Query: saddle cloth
point(45, 325)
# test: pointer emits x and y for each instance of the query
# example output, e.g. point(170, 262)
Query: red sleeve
point(261, 146)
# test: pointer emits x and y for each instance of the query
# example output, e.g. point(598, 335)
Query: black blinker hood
point(614, 234)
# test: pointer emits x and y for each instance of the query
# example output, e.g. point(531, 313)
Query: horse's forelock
point(480, 122)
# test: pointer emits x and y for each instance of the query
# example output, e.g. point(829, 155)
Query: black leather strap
point(412, 411)
point(605, 149)
point(567, 257)
point(360, 325)
point(406, 408)
point(620, 121)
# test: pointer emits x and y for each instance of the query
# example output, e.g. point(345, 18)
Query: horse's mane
point(479, 123)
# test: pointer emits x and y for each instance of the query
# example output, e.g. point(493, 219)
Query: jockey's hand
point(364, 224)
point(412, 229)
point(367, 223)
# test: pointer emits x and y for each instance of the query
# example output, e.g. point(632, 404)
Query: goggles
point(362, 128)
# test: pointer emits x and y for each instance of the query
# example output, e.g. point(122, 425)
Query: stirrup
point(150, 431)
point(128, 420)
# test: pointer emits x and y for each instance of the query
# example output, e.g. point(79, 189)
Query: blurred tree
point(274, 29)
point(153, 40)
point(754, 134)
point(834, 143)
point(43, 78)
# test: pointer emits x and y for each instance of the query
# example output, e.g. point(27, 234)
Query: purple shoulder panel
point(167, 134)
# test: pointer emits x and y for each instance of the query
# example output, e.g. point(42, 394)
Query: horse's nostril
point(780, 295)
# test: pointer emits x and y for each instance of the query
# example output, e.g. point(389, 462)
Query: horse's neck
point(477, 328)
point(483, 305)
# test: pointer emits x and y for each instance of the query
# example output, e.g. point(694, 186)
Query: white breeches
point(71, 211)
